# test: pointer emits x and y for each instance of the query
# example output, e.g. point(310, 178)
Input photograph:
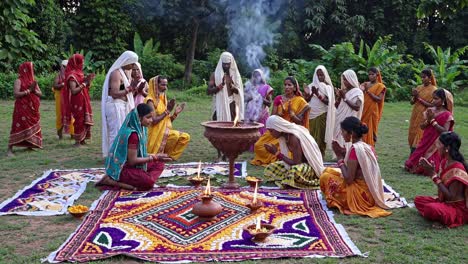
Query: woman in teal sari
point(128, 165)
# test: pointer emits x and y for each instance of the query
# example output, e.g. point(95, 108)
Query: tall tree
point(17, 42)
point(182, 22)
point(102, 27)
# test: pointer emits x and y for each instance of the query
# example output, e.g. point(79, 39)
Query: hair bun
point(364, 128)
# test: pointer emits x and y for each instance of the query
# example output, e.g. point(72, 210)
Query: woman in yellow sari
point(292, 107)
point(422, 99)
point(356, 188)
point(374, 96)
point(161, 137)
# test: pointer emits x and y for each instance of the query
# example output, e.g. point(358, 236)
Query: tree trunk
point(191, 54)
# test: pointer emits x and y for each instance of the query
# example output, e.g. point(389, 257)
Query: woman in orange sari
point(77, 86)
point(60, 102)
point(26, 125)
point(292, 107)
point(358, 188)
point(422, 97)
point(451, 206)
point(439, 119)
point(374, 96)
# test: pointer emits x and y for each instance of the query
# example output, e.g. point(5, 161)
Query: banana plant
point(448, 66)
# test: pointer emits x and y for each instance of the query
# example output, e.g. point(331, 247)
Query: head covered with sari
point(262, 76)
point(378, 77)
point(73, 70)
point(126, 58)
point(447, 98)
point(221, 99)
point(351, 77)
point(26, 74)
point(315, 79)
point(119, 149)
point(309, 147)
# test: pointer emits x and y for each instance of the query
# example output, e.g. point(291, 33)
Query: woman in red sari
point(77, 87)
point(26, 126)
point(439, 119)
point(450, 208)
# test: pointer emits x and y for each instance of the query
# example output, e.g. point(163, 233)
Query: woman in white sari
point(117, 98)
point(303, 167)
point(321, 97)
point(350, 102)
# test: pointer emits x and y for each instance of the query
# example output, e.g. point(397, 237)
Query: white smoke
point(251, 25)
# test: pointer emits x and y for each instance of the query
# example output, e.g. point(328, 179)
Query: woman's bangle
point(434, 176)
point(150, 158)
point(436, 180)
point(167, 113)
point(174, 116)
point(433, 122)
point(421, 100)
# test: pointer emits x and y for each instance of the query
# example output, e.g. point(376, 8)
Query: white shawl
point(371, 172)
point(344, 111)
point(309, 146)
point(317, 107)
point(221, 99)
point(128, 57)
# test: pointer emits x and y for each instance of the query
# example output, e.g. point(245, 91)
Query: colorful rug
point(51, 194)
point(159, 226)
point(187, 169)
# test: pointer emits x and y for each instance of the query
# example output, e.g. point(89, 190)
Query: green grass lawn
point(403, 237)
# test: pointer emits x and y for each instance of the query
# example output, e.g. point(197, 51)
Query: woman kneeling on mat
point(128, 166)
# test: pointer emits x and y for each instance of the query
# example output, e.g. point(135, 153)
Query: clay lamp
point(197, 180)
point(207, 208)
point(260, 231)
point(255, 204)
point(252, 181)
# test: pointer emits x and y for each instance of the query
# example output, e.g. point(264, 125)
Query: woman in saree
point(59, 83)
point(299, 162)
point(321, 97)
point(257, 98)
point(292, 107)
point(374, 96)
point(421, 100)
point(128, 165)
point(77, 86)
point(350, 102)
point(451, 206)
point(140, 84)
point(438, 119)
point(26, 125)
point(356, 188)
point(161, 137)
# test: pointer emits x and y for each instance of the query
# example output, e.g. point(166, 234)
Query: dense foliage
point(183, 39)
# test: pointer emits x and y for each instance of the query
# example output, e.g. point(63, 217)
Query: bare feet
point(437, 225)
point(10, 153)
point(77, 145)
point(108, 181)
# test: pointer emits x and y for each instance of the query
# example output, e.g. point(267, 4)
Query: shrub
point(161, 64)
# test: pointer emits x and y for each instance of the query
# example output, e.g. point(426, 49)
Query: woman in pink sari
point(257, 97)
point(450, 208)
point(439, 119)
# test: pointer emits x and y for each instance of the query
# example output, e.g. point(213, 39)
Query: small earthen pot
point(252, 182)
point(255, 206)
point(196, 181)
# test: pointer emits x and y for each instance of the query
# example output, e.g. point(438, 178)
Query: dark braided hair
point(452, 141)
point(353, 124)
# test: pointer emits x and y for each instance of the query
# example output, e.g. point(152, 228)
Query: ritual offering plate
point(78, 211)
